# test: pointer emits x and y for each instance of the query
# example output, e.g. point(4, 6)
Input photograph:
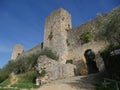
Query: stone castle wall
point(55, 34)
point(75, 48)
point(38, 47)
point(17, 50)
point(54, 69)
point(66, 41)
point(60, 37)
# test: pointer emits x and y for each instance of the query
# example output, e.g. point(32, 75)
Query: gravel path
point(74, 83)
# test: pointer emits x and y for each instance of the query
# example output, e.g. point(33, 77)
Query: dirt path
point(57, 87)
point(74, 83)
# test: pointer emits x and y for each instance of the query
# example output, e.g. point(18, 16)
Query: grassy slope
point(25, 81)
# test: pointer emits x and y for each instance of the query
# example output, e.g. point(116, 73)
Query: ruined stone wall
point(17, 50)
point(76, 49)
point(54, 70)
point(36, 48)
point(33, 50)
point(55, 35)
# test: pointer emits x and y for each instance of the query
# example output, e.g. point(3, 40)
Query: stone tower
point(17, 50)
point(55, 34)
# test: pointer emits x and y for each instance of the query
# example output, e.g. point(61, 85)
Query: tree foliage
point(25, 63)
point(86, 36)
point(110, 28)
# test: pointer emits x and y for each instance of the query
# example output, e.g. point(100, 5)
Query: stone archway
point(90, 61)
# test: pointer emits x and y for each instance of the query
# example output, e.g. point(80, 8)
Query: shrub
point(28, 77)
point(26, 80)
point(22, 64)
point(110, 29)
point(69, 61)
point(86, 36)
point(5, 83)
point(25, 63)
point(4, 74)
point(43, 73)
point(49, 53)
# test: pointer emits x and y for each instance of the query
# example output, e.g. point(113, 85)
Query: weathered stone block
point(54, 70)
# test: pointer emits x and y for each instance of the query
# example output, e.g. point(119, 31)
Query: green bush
point(9, 89)
point(26, 80)
point(86, 36)
point(110, 29)
point(25, 64)
point(3, 75)
point(43, 73)
point(22, 64)
point(69, 61)
point(49, 53)
point(5, 83)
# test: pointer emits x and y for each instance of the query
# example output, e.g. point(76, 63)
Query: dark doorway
point(90, 61)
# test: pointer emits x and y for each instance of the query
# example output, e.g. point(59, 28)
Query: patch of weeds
point(43, 73)
point(26, 80)
point(8, 89)
point(69, 61)
point(49, 53)
point(5, 83)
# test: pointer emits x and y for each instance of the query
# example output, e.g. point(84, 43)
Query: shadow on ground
point(88, 82)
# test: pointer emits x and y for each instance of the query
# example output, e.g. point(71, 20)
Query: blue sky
point(22, 21)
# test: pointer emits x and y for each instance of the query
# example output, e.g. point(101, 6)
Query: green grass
point(26, 80)
point(8, 89)
point(24, 85)
point(5, 83)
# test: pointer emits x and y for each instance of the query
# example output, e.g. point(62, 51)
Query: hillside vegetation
point(109, 25)
point(24, 68)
